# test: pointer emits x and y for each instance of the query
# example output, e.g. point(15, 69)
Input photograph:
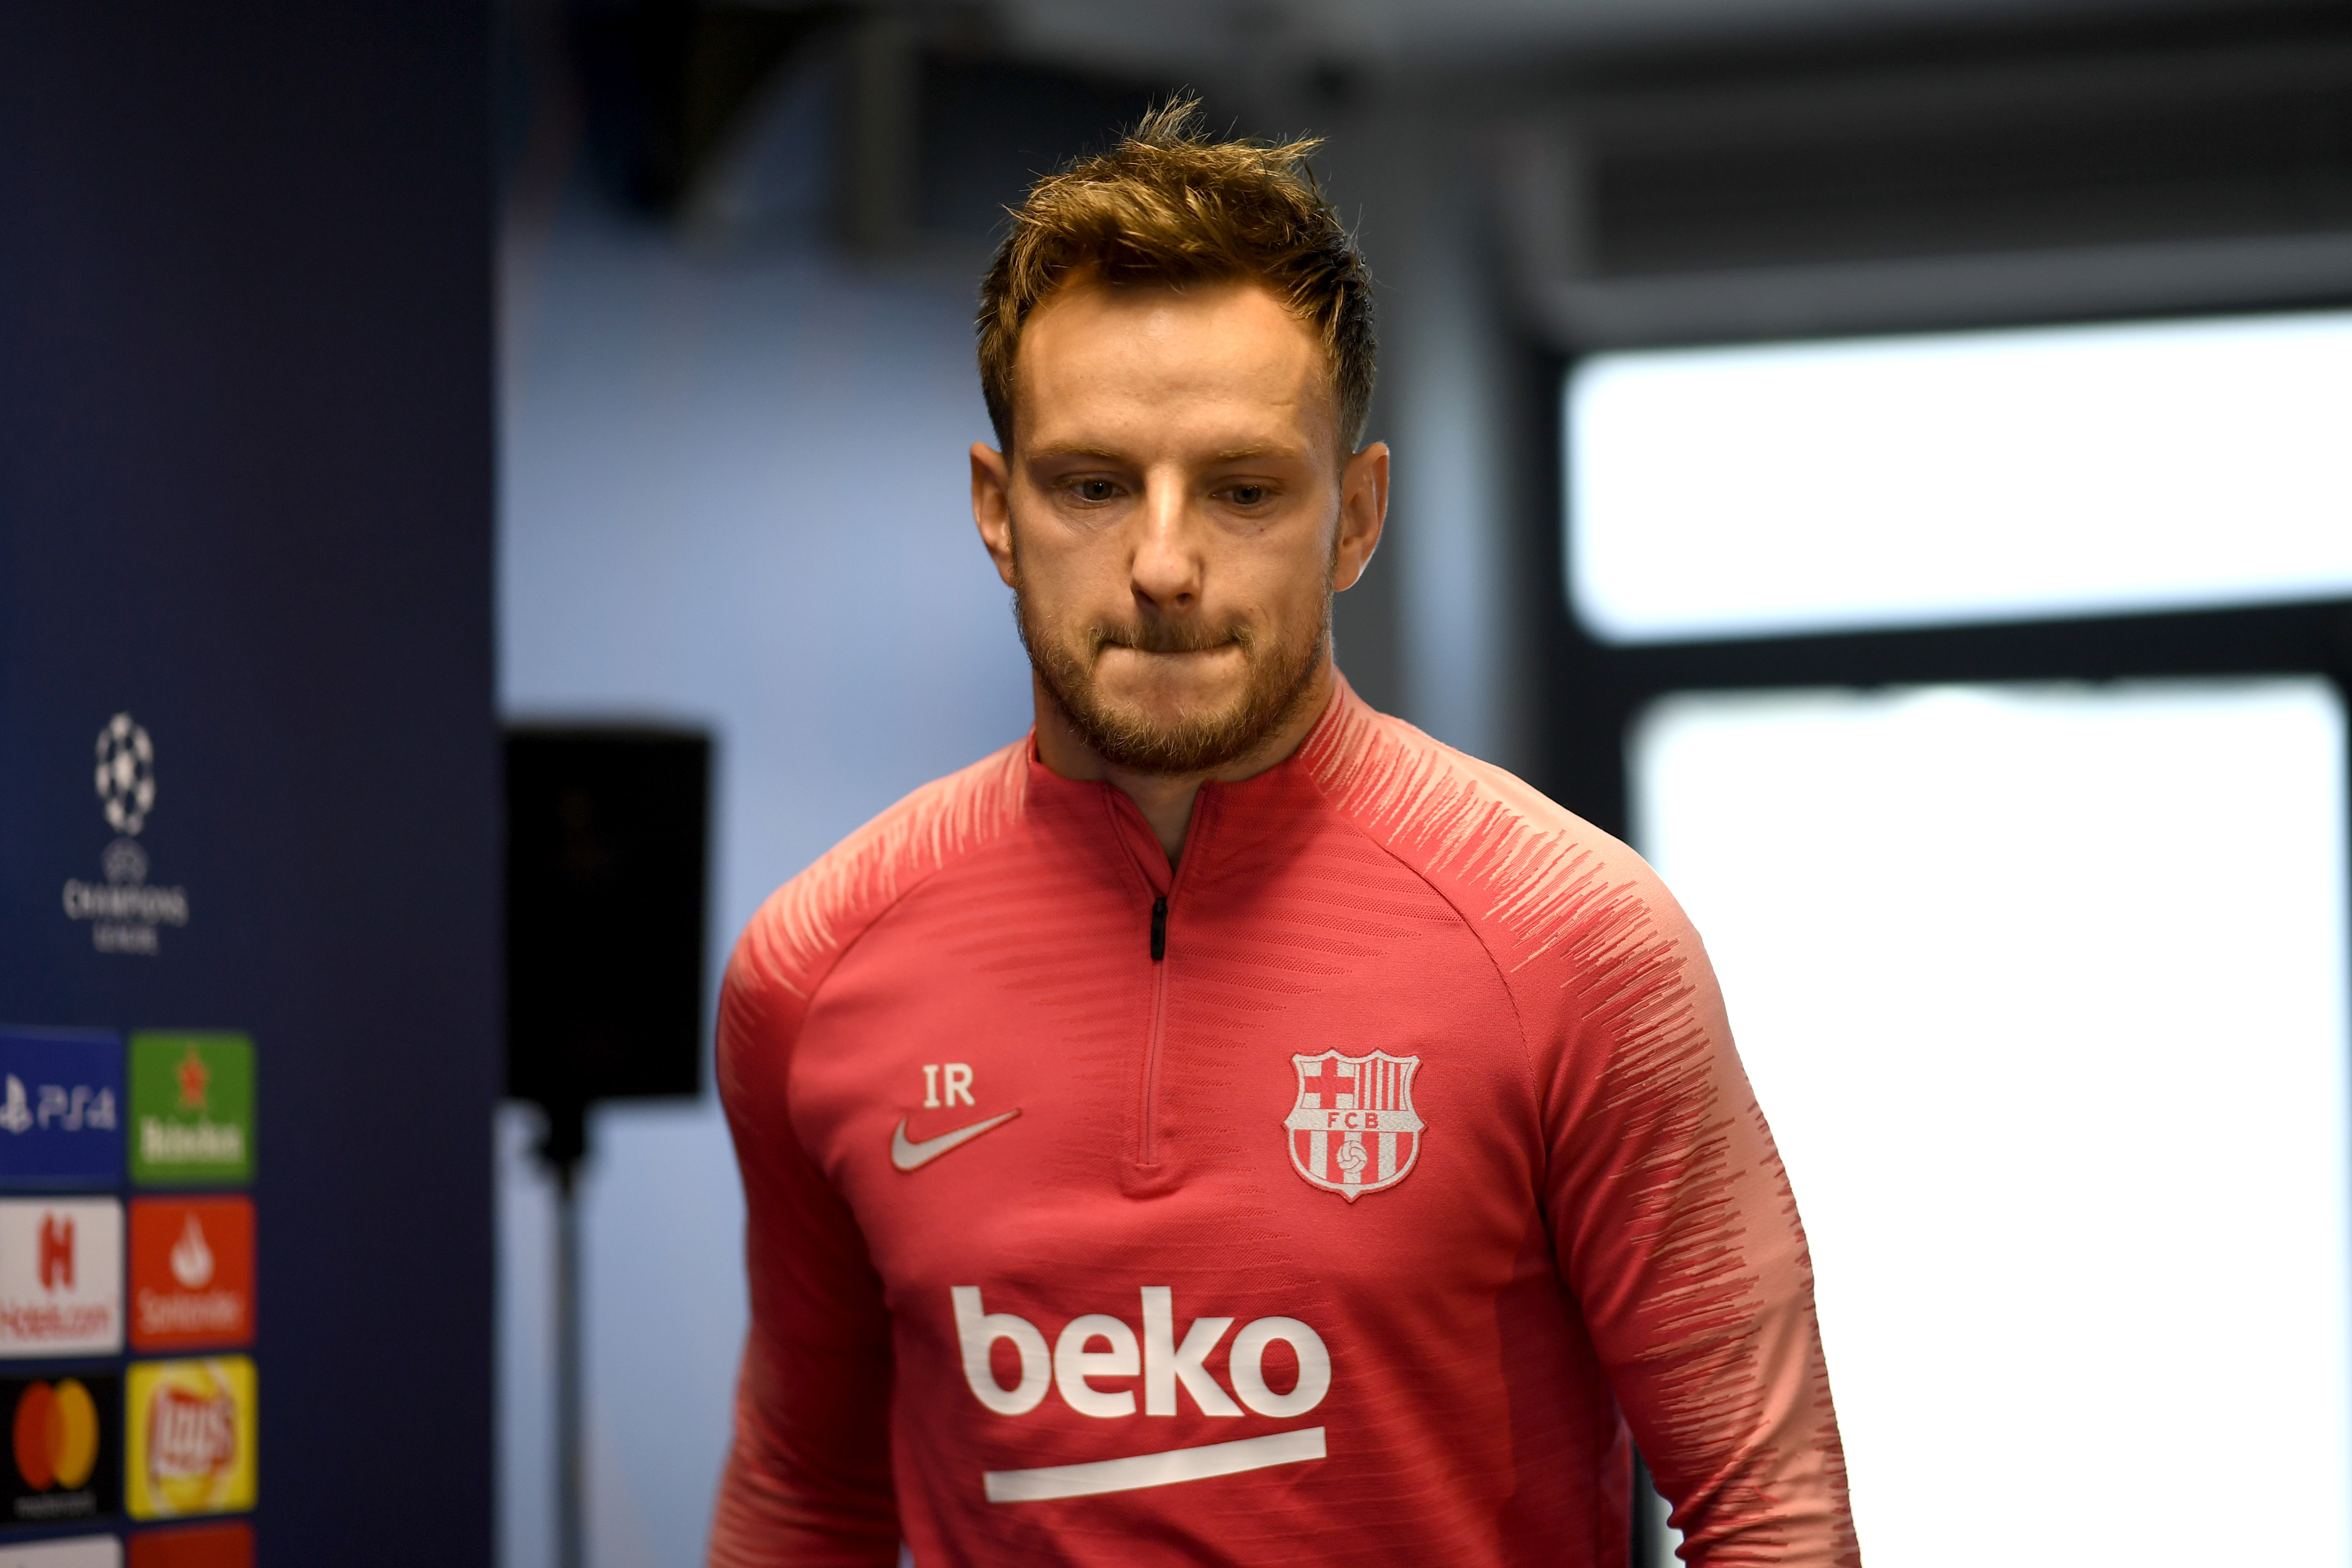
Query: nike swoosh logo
point(910, 1157)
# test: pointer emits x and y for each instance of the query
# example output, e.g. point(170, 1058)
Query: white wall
point(733, 492)
point(2043, 988)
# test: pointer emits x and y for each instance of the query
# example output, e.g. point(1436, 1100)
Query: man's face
point(1174, 517)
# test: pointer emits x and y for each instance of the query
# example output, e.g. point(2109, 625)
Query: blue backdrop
point(245, 483)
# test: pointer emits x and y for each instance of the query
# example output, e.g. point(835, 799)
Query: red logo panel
point(205, 1546)
point(190, 1272)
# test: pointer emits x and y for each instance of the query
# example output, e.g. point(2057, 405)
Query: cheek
point(1063, 574)
point(1286, 586)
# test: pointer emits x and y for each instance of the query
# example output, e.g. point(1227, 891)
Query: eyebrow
point(1246, 454)
point(1059, 454)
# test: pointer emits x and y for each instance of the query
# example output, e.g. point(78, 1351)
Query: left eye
point(1247, 495)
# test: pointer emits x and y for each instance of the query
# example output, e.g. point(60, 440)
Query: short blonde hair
point(1169, 205)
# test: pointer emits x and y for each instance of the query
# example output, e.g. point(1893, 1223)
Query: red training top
point(1327, 1199)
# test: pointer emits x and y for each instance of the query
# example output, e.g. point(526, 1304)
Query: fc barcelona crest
point(1353, 1129)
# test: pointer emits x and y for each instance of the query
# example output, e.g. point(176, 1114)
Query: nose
point(1168, 566)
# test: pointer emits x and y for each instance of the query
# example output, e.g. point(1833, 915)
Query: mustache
point(1158, 633)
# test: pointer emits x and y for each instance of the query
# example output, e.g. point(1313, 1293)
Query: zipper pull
point(1159, 928)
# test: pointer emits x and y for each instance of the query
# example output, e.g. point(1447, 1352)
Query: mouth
point(1211, 651)
point(1162, 641)
point(1125, 664)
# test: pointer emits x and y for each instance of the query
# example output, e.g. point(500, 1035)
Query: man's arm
point(1676, 1229)
point(808, 1481)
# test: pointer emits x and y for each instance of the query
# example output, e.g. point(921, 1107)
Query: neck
point(1166, 799)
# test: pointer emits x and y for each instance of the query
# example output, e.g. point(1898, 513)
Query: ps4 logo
point(69, 1111)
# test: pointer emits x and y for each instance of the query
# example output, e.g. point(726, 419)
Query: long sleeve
point(808, 1481)
point(1670, 1214)
point(1676, 1229)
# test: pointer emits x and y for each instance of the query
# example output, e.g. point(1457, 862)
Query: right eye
point(1095, 489)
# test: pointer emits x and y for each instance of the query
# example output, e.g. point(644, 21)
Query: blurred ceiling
point(1181, 34)
point(1647, 171)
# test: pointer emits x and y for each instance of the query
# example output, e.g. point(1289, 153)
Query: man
point(1228, 1126)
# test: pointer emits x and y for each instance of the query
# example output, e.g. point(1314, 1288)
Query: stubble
point(1279, 675)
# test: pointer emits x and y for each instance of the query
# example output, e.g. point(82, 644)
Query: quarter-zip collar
point(1217, 800)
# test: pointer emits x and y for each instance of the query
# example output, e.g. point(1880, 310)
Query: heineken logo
point(191, 1109)
point(164, 1142)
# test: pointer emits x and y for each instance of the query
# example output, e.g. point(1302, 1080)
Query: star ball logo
point(125, 911)
point(126, 774)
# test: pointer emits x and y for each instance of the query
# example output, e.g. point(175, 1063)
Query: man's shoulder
point(1533, 878)
point(805, 923)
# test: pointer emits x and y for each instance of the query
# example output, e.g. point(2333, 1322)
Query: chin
point(1168, 711)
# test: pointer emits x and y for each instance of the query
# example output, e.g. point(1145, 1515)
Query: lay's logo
point(192, 1439)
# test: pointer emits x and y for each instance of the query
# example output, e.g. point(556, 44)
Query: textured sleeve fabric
point(1669, 1213)
point(809, 1479)
point(1675, 1225)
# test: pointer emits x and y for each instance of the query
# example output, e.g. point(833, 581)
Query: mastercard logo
point(55, 1433)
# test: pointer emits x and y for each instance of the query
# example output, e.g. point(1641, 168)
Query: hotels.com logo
point(61, 1277)
point(57, 1252)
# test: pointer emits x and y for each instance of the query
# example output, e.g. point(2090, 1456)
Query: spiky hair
point(1169, 205)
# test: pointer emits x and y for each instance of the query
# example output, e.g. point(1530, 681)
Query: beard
point(1278, 673)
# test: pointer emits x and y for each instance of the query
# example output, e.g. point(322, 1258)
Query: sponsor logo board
point(61, 1277)
point(190, 1272)
point(196, 1546)
point(191, 1109)
point(65, 1451)
point(60, 1099)
point(191, 1435)
point(81, 1552)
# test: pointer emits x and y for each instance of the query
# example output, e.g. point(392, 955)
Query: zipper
point(1147, 1137)
point(1146, 1150)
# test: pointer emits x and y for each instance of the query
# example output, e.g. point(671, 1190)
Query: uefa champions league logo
point(124, 911)
point(126, 775)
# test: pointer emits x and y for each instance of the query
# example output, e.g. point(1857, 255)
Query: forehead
point(1224, 363)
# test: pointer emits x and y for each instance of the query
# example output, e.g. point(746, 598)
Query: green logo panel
point(191, 1109)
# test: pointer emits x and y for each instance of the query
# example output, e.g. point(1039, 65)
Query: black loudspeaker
point(607, 893)
point(608, 833)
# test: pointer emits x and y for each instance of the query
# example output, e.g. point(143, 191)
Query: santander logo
point(192, 1260)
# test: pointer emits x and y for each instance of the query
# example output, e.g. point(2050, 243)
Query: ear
point(991, 506)
point(1363, 510)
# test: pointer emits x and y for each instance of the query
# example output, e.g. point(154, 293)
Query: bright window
point(1962, 477)
point(2042, 990)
